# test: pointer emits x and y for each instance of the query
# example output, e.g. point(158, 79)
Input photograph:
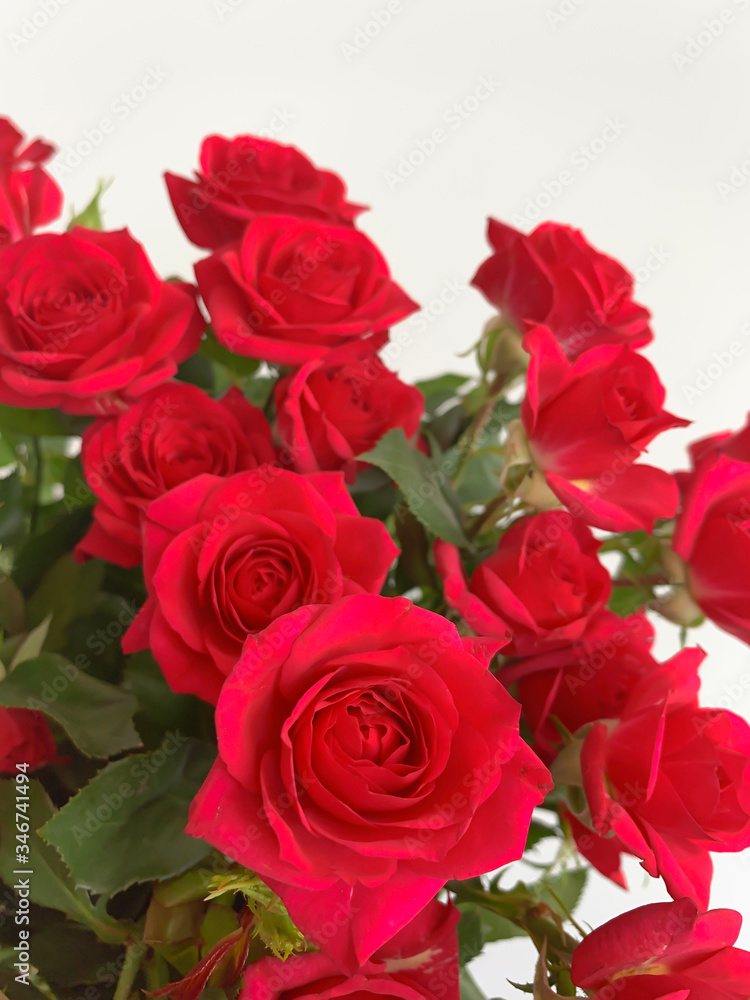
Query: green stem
point(133, 958)
point(654, 580)
point(473, 432)
point(488, 515)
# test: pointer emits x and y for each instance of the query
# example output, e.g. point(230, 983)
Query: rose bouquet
point(298, 660)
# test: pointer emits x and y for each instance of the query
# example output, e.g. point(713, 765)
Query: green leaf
point(12, 520)
point(437, 391)
point(212, 349)
point(127, 825)
point(479, 480)
point(50, 885)
point(98, 717)
point(68, 955)
point(470, 937)
point(32, 644)
point(567, 889)
point(626, 601)
point(425, 487)
point(159, 708)
point(31, 422)
point(91, 216)
point(68, 590)
point(537, 832)
point(41, 551)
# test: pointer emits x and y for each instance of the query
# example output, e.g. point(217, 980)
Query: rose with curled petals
point(224, 557)
point(366, 757)
point(292, 290)
point(85, 323)
point(29, 197)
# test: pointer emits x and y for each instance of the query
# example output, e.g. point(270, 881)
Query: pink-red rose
point(223, 558)
point(329, 411)
point(584, 424)
point(419, 963)
point(554, 277)
point(293, 289)
point(174, 433)
point(664, 950)
point(366, 756)
point(86, 324)
point(668, 782)
point(712, 534)
point(29, 197)
point(542, 585)
point(247, 176)
point(25, 738)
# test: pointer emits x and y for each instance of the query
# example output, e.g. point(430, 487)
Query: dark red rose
point(293, 289)
point(712, 534)
point(366, 756)
point(25, 738)
point(419, 963)
point(541, 586)
point(174, 433)
point(29, 197)
point(668, 782)
point(223, 558)
point(244, 177)
point(329, 411)
point(664, 951)
point(583, 426)
point(85, 323)
point(587, 680)
point(554, 277)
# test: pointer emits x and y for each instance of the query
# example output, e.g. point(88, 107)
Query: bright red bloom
point(589, 679)
point(668, 782)
point(712, 534)
point(223, 558)
point(366, 756)
point(247, 176)
point(330, 411)
point(554, 277)
point(25, 738)
point(585, 425)
point(542, 584)
point(85, 323)
point(174, 433)
point(294, 289)
point(419, 963)
point(29, 197)
point(664, 950)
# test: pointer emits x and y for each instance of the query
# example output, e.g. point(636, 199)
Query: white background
point(558, 70)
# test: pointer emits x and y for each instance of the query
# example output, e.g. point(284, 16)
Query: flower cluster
point(344, 647)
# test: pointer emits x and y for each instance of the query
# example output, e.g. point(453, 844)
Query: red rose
point(668, 782)
point(419, 963)
point(25, 738)
point(664, 950)
point(244, 177)
point(29, 198)
point(366, 756)
point(553, 276)
point(712, 534)
point(174, 433)
point(223, 558)
point(542, 584)
point(587, 680)
point(329, 411)
point(85, 323)
point(293, 289)
point(583, 425)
